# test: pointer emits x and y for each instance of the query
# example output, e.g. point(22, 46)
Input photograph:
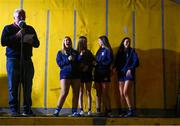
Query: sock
point(74, 110)
point(58, 109)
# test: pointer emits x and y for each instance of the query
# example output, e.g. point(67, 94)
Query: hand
point(71, 58)
point(128, 73)
point(29, 41)
point(85, 68)
point(94, 63)
point(114, 70)
point(20, 33)
point(82, 52)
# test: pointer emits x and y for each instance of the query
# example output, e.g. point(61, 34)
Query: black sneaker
point(123, 113)
point(130, 113)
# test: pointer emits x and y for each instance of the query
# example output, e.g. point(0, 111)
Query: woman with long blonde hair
point(68, 60)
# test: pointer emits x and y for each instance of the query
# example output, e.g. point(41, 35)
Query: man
point(19, 65)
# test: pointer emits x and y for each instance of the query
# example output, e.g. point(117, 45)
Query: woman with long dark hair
point(86, 67)
point(125, 64)
point(104, 58)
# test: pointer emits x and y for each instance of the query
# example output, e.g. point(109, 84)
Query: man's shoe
point(14, 114)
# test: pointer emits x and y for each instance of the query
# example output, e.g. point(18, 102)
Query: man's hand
point(20, 33)
point(30, 41)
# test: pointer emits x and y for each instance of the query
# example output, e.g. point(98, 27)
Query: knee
point(88, 93)
point(125, 93)
point(64, 94)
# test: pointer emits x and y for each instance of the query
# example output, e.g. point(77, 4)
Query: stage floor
point(50, 120)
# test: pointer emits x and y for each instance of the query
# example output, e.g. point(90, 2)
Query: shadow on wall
point(3, 91)
point(156, 79)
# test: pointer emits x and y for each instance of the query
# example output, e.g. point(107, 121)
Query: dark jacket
point(126, 60)
point(13, 44)
point(86, 60)
point(104, 58)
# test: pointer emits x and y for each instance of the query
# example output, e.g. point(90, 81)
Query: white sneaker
point(81, 113)
point(89, 113)
point(75, 114)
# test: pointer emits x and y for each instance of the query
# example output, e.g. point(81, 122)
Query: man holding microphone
point(19, 40)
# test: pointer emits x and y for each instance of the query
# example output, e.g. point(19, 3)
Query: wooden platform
point(48, 120)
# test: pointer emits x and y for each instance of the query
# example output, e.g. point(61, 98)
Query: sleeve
point(61, 60)
point(135, 61)
point(108, 59)
point(7, 39)
point(36, 42)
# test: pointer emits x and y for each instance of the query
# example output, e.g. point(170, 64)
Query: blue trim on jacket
point(104, 58)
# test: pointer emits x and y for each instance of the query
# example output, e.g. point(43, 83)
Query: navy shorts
point(102, 76)
point(122, 76)
point(86, 77)
point(69, 76)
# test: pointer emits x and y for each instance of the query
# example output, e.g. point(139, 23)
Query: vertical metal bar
point(163, 55)
point(107, 6)
point(75, 28)
point(133, 45)
point(46, 60)
point(21, 4)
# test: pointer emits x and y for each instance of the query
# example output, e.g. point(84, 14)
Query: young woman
point(125, 63)
point(104, 58)
point(68, 60)
point(86, 66)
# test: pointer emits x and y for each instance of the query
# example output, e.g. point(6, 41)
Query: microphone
point(22, 24)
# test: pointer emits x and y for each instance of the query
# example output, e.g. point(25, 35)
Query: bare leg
point(81, 95)
point(106, 97)
point(98, 87)
point(88, 92)
point(75, 89)
point(65, 85)
point(126, 92)
point(121, 90)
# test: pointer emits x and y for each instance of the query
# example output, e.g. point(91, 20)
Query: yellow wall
point(153, 88)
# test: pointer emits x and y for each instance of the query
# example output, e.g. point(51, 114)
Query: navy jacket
point(87, 59)
point(13, 44)
point(69, 69)
point(104, 58)
point(126, 60)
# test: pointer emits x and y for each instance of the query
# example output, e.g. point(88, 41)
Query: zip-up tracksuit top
point(104, 58)
point(69, 69)
point(87, 59)
point(123, 63)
